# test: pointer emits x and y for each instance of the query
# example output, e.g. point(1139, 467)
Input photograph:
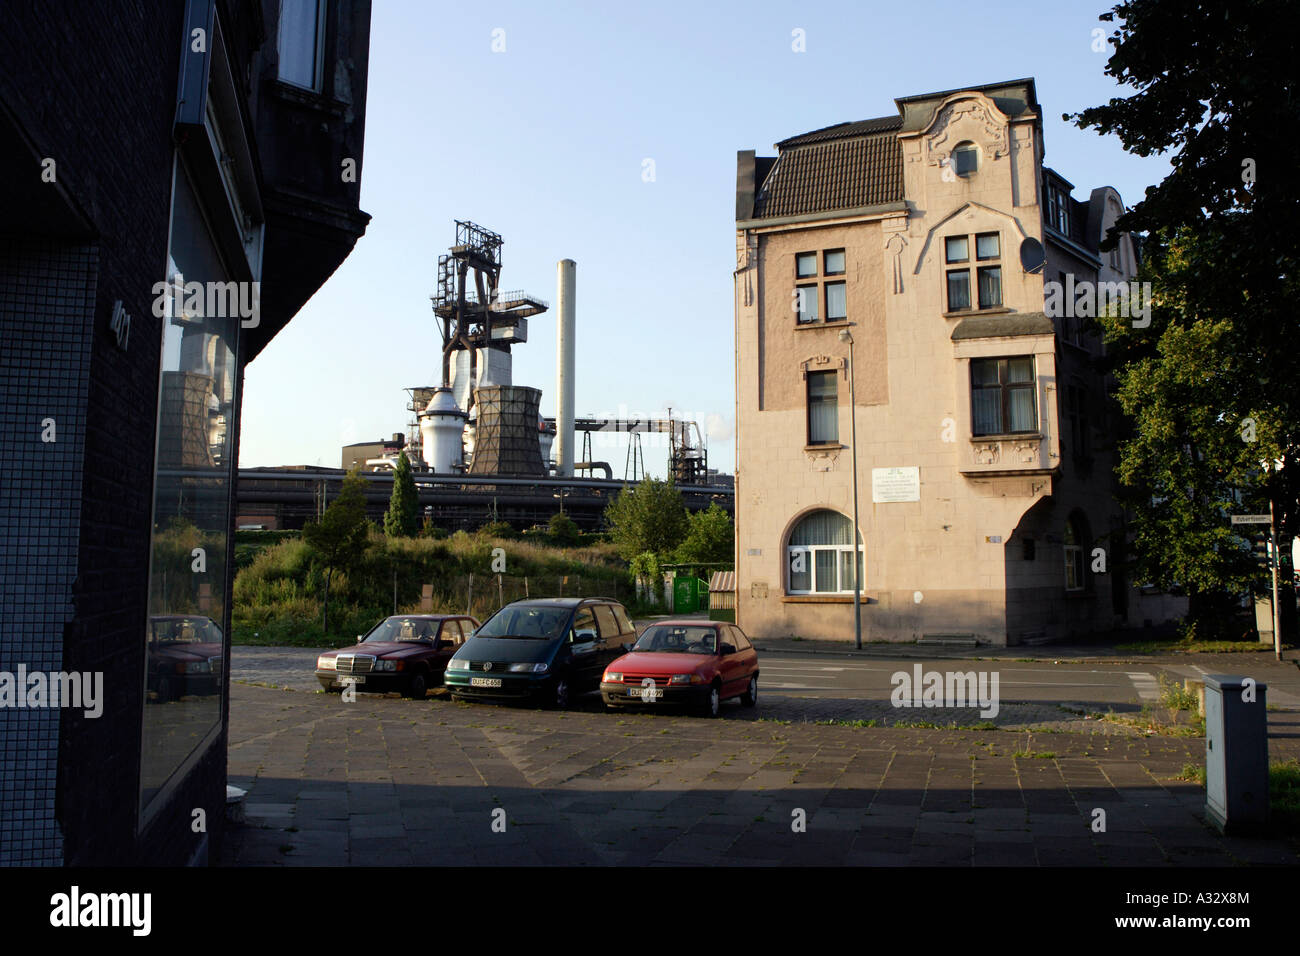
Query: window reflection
point(191, 515)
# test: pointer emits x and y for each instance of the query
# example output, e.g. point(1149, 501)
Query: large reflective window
point(193, 474)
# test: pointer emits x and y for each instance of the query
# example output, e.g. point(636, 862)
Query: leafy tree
point(1211, 382)
point(710, 537)
point(401, 519)
point(562, 528)
point(649, 517)
point(339, 537)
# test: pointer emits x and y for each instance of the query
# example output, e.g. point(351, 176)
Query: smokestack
point(566, 297)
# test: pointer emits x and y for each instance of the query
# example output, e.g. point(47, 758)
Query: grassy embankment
point(279, 584)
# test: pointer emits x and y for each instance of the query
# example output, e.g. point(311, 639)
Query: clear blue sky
point(545, 142)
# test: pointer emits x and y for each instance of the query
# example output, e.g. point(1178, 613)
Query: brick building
point(177, 178)
point(926, 242)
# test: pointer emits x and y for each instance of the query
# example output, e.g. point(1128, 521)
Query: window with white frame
point(1002, 396)
point(300, 42)
point(823, 408)
point(819, 555)
point(987, 249)
point(1058, 209)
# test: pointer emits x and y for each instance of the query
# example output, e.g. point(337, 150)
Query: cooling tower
point(505, 437)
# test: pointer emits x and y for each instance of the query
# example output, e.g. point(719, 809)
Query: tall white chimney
point(566, 296)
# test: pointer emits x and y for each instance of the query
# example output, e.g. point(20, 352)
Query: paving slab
point(387, 781)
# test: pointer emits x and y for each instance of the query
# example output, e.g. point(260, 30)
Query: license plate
point(352, 680)
point(644, 693)
point(485, 682)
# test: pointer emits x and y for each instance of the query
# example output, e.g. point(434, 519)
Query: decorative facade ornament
point(990, 134)
point(988, 453)
point(746, 259)
point(895, 245)
point(1025, 451)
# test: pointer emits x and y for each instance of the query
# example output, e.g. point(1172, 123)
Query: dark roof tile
point(833, 173)
point(843, 130)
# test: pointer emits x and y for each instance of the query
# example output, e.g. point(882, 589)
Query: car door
point(735, 672)
point(584, 651)
point(450, 637)
point(611, 647)
point(748, 657)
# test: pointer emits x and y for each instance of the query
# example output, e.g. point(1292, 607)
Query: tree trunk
point(325, 623)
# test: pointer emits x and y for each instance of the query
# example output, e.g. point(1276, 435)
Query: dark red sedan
point(692, 662)
point(406, 653)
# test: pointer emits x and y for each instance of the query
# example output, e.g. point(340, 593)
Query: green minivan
point(544, 650)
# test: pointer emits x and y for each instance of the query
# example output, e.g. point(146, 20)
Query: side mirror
point(728, 649)
point(627, 648)
point(358, 638)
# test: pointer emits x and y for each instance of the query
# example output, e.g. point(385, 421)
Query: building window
point(956, 250)
point(194, 466)
point(988, 270)
point(300, 42)
point(1002, 396)
point(823, 409)
point(1073, 557)
point(1076, 409)
point(837, 308)
point(1058, 209)
point(819, 556)
point(965, 159)
point(810, 296)
point(806, 303)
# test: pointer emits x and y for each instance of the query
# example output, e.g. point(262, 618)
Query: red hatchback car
point(692, 662)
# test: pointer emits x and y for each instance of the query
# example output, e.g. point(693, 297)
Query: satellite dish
point(1032, 255)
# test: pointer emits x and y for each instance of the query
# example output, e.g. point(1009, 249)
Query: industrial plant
point(477, 442)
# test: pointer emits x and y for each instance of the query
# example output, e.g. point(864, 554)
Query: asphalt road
point(1093, 685)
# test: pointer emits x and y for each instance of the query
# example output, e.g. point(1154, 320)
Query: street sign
point(1250, 519)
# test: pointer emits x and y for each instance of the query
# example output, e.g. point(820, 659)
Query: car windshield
point(185, 630)
point(673, 638)
point(404, 629)
point(542, 623)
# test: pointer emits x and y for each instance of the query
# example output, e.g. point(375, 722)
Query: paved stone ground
point(386, 781)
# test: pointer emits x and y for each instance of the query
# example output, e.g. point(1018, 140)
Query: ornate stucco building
point(984, 436)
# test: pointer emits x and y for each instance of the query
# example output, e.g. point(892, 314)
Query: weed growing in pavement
point(1192, 772)
point(1036, 755)
point(1284, 796)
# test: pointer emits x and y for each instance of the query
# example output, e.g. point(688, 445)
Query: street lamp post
point(847, 337)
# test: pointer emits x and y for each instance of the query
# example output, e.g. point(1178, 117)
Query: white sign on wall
point(895, 484)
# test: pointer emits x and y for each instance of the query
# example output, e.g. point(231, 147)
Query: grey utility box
point(1236, 753)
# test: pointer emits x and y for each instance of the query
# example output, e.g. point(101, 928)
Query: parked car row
point(548, 651)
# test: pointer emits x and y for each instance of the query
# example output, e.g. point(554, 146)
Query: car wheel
point(712, 703)
point(416, 687)
point(560, 694)
point(750, 697)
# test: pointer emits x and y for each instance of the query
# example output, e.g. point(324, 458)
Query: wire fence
point(481, 594)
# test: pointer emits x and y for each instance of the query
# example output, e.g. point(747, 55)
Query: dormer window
point(965, 158)
point(1058, 209)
